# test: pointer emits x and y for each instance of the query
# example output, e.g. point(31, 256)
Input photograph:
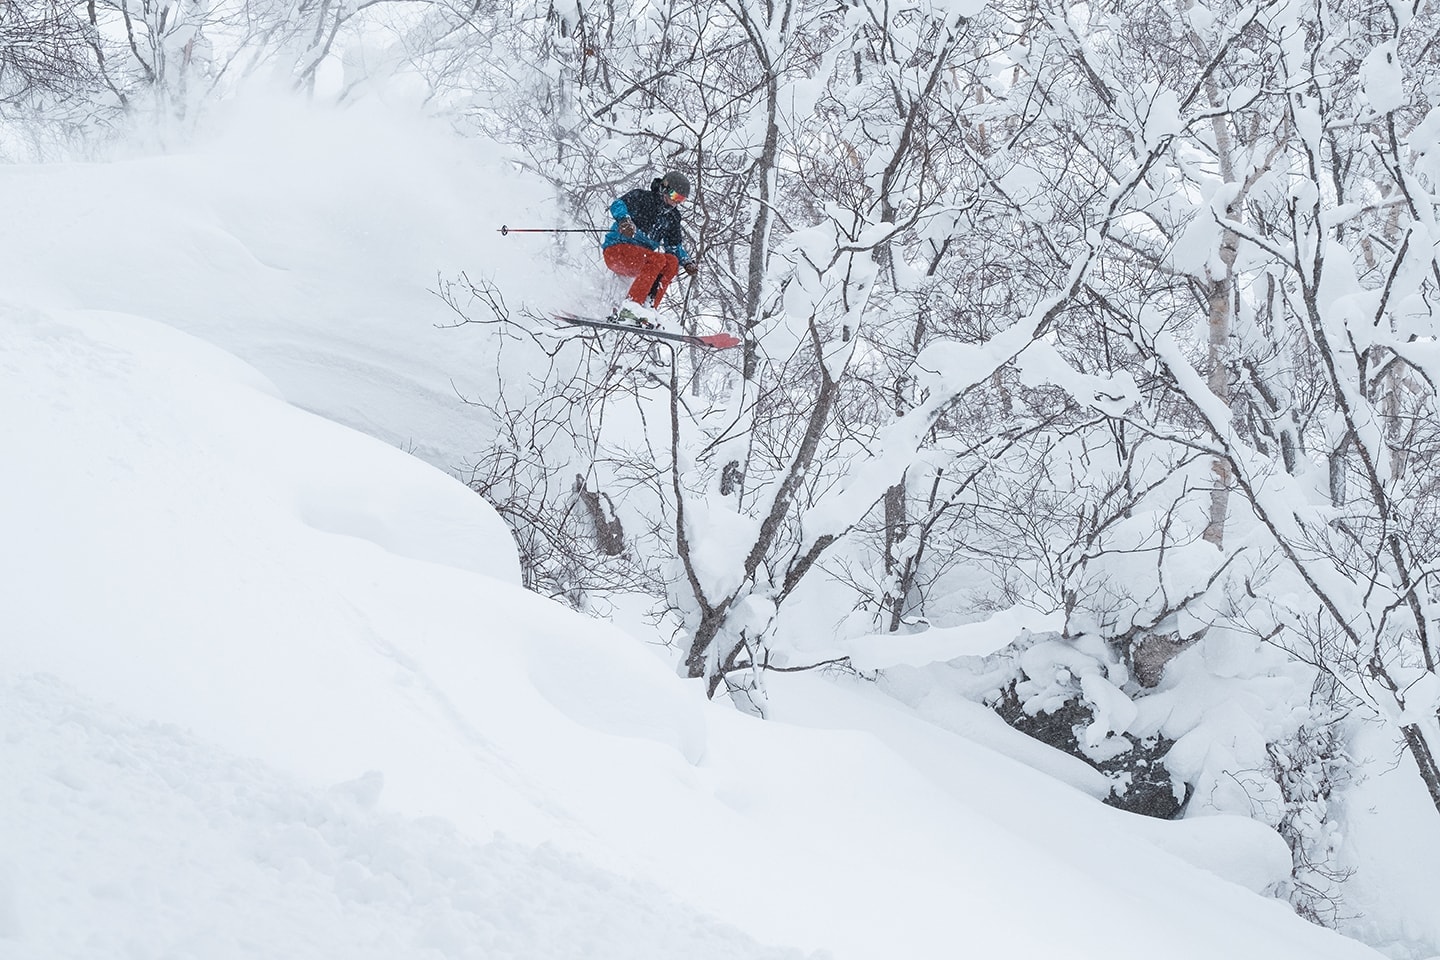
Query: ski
point(718, 341)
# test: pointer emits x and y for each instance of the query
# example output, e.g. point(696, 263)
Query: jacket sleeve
point(618, 210)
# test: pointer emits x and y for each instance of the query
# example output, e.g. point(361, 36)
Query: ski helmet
point(677, 181)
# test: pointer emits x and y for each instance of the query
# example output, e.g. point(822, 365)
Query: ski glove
point(626, 227)
point(690, 267)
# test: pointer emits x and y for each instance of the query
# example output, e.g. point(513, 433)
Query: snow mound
point(169, 846)
point(224, 413)
point(1241, 850)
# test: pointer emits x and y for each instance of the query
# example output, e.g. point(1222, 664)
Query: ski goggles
point(675, 196)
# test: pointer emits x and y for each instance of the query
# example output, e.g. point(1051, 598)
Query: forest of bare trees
point(1118, 313)
point(1124, 313)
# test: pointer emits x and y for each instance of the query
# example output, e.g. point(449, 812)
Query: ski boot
point(637, 315)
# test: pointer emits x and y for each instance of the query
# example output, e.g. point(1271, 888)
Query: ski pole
point(505, 231)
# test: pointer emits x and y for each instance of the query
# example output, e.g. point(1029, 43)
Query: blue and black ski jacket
point(657, 224)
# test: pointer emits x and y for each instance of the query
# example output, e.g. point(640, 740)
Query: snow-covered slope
point(132, 838)
point(268, 687)
point(307, 244)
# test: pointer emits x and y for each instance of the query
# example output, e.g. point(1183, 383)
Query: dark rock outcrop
point(1142, 783)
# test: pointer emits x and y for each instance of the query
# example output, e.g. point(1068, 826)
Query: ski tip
point(720, 340)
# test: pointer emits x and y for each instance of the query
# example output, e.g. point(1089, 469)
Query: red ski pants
point(651, 269)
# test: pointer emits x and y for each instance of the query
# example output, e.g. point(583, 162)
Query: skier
point(646, 243)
